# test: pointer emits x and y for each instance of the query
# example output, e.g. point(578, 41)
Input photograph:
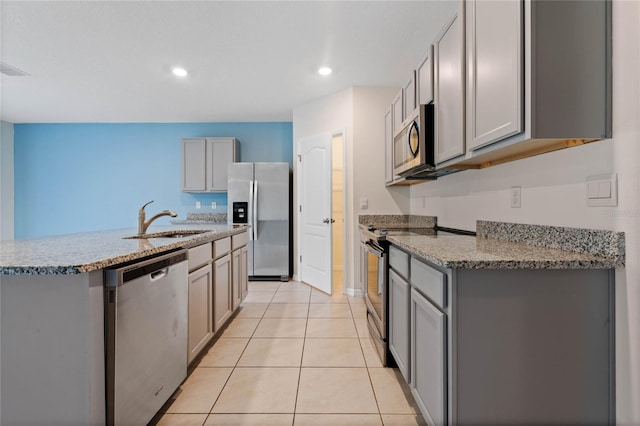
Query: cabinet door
point(494, 71)
point(222, 152)
point(409, 100)
point(428, 362)
point(399, 330)
point(424, 79)
point(244, 272)
point(222, 307)
point(449, 83)
point(200, 310)
point(398, 113)
point(236, 263)
point(193, 164)
point(388, 147)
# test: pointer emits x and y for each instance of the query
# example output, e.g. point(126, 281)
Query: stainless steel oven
point(376, 263)
point(375, 259)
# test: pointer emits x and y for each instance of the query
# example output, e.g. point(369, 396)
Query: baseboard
point(353, 292)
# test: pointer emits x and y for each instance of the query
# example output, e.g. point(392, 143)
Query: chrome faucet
point(144, 224)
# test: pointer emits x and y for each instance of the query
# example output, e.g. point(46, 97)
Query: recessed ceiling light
point(324, 71)
point(180, 72)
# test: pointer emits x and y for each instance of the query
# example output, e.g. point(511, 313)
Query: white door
point(314, 209)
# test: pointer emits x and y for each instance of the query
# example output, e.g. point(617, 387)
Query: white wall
point(360, 113)
point(330, 114)
point(553, 193)
point(369, 107)
point(6, 181)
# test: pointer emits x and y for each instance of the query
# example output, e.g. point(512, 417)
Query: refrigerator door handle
point(250, 212)
point(254, 225)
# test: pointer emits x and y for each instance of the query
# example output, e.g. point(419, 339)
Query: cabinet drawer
point(399, 261)
point(199, 256)
point(429, 281)
point(221, 247)
point(239, 240)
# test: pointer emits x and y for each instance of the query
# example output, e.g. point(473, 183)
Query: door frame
point(346, 267)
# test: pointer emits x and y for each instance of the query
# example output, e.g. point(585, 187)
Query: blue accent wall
point(89, 177)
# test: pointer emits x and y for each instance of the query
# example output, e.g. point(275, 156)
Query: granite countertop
point(467, 252)
point(90, 251)
point(502, 245)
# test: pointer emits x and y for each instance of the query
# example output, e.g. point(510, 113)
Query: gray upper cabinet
point(494, 71)
point(398, 112)
point(449, 87)
point(424, 79)
point(194, 175)
point(205, 162)
point(388, 146)
point(538, 77)
point(409, 100)
point(223, 151)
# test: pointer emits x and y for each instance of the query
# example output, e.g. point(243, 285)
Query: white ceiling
point(108, 61)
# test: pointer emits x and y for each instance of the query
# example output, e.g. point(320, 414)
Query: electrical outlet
point(214, 204)
point(198, 204)
point(515, 197)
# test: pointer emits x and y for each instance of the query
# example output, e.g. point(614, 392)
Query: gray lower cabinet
point(428, 358)
point(240, 278)
point(236, 259)
point(399, 294)
point(200, 310)
point(506, 346)
point(222, 297)
point(244, 272)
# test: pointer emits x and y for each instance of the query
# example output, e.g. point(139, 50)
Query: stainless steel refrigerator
point(259, 196)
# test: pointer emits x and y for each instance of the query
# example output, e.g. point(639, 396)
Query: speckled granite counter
point(90, 251)
point(466, 252)
point(398, 221)
point(520, 247)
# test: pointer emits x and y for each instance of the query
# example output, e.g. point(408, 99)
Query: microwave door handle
point(414, 125)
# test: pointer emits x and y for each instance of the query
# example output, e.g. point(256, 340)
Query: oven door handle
point(373, 249)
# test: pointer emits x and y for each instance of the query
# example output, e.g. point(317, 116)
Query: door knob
point(328, 220)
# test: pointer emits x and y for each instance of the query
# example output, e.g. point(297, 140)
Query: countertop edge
point(582, 261)
point(186, 242)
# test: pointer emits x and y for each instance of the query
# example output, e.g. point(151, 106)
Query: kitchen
point(553, 185)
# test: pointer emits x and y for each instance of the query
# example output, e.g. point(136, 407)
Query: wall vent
point(7, 69)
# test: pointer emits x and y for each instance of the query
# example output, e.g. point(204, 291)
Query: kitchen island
point(52, 361)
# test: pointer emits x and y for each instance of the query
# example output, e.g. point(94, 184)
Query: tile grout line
point(304, 343)
point(236, 364)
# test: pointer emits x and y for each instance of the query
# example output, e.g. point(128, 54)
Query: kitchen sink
point(177, 233)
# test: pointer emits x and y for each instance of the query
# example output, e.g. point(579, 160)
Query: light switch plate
point(198, 205)
point(602, 190)
point(364, 203)
point(214, 204)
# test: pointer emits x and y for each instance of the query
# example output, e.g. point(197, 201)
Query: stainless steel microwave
point(413, 144)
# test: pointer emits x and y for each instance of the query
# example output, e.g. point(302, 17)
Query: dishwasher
point(146, 336)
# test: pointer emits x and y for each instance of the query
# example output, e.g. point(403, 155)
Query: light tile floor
point(292, 356)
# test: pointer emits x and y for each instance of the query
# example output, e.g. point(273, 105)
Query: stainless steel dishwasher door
point(146, 330)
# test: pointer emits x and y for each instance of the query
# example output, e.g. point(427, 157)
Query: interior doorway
point(337, 213)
